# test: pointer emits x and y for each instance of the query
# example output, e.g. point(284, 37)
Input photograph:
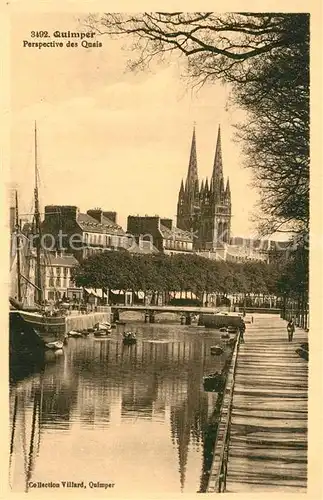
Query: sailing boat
point(50, 328)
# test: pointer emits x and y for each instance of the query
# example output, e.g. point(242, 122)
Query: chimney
point(96, 213)
point(69, 212)
point(167, 223)
point(111, 215)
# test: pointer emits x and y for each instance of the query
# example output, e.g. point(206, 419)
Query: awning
point(90, 291)
point(182, 295)
point(99, 293)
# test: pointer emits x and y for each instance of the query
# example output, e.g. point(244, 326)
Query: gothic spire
point(181, 191)
point(202, 187)
point(228, 190)
point(221, 189)
point(192, 175)
point(206, 186)
point(217, 173)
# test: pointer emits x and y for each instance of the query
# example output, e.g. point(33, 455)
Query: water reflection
point(124, 411)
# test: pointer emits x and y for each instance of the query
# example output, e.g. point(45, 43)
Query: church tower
point(205, 210)
point(220, 200)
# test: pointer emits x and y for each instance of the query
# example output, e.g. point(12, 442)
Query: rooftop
point(175, 233)
point(66, 260)
point(88, 223)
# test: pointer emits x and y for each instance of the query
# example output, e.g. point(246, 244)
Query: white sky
point(109, 138)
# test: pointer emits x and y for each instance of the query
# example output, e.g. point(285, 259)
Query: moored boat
point(75, 334)
point(215, 382)
point(55, 346)
point(101, 332)
point(103, 327)
point(216, 350)
point(26, 348)
point(232, 328)
point(49, 326)
point(225, 336)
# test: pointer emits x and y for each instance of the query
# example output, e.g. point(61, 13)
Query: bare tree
point(265, 57)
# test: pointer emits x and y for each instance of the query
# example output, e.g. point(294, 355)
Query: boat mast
point(18, 251)
point(38, 280)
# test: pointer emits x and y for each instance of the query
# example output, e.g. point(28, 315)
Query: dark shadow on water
point(210, 435)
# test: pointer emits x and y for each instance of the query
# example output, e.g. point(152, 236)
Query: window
point(51, 282)
point(58, 282)
point(94, 239)
point(65, 269)
point(64, 283)
point(51, 296)
point(58, 271)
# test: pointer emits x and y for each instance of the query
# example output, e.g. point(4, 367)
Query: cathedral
point(204, 209)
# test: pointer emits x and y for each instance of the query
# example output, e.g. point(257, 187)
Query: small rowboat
point(303, 352)
point(232, 329)
point(102, 326)
point(225, 336)
point(75, 334)
point(55, 346)
point(216, 350)
point(223, 329)
point(102, 329)
point(215, 382)
point(102, 333)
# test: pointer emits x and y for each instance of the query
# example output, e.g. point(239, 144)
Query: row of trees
point(184, 273)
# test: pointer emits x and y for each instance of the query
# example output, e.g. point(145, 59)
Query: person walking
point(290, 329)
point(242, 328)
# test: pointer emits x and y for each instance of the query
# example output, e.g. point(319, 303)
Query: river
point(135, 417)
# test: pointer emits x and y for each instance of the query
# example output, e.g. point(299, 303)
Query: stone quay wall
point(84, 321)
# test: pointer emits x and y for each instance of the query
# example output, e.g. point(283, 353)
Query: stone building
point(58, 282)
point(82, 234)
point(162, 234)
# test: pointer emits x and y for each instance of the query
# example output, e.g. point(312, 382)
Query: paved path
point(268, 445)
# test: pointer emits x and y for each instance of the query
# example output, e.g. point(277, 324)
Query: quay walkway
point(262, 437)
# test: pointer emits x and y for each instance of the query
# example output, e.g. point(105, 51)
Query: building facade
point(58, 280)
point(205, 209)
point(162, 234)
point(82, 234)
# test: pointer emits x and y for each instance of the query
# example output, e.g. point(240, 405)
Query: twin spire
point(217, 179)
point(192, 175)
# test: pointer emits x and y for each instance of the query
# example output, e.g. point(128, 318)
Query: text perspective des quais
point(70, 39)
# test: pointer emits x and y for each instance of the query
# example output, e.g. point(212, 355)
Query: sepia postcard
point(162, 249)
